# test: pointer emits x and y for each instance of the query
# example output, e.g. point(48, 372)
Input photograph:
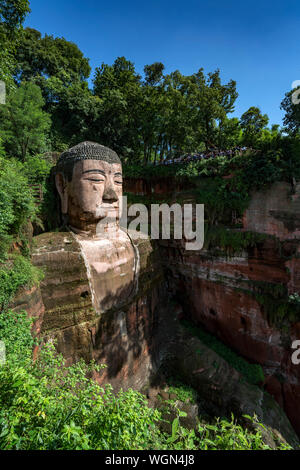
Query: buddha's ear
point(61, 186)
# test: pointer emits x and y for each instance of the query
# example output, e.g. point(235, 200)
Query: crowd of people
point(213, 153)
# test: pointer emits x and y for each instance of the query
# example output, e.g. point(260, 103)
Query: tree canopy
point(12, 15)
point(25, 125)
point(292, 111)
point(144, 117)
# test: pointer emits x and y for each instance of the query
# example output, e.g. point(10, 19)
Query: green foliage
point(253, 123)
point(47, 57)
point(38, 172)
point(252, 373)
point(279, 312)
point(143, 120)
point(37, 169)
point(24, 125)
point(220, 198)
point(16, 273)
point(60, 69)
point(12, 15)
point(183, 392)
point(292, 112)
point(220, 435)
point(228, 435)
point(13, 12)
point(47, 405)
point(17, 206)
point(15, 332)
point(224, 185)
point(233, 242)
point(228, 134)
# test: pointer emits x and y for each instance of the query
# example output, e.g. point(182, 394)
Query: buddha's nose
point(109, 194)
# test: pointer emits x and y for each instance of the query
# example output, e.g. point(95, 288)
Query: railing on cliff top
point(202, 156)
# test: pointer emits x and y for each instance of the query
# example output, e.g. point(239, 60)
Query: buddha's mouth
point(107, 210)
point(109, 205)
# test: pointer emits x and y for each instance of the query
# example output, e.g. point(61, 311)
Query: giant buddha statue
point(102, 286)
point(89, 182)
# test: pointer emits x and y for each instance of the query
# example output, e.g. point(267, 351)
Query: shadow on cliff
point(126, 338)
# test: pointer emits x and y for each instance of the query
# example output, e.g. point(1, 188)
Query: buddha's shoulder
point(55, 242)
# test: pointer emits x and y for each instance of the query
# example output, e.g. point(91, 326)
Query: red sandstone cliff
point(242, 298)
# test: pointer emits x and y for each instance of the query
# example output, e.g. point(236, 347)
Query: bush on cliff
point(47, 405)
point(17, 206)
point(17, 211)
point(17, 272)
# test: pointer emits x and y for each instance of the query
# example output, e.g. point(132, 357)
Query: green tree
point(228, 133)
point(151, 111)
point(74, 114)
point(252, 123)
point(17, 207)
point(45, 57)
point(271, 138)
point(154, 73)
point(61, 71)
point(12, 15)
point(210, 101)
point(180, 113)
point(24, 125)
point(118, 87)
point(291, 119)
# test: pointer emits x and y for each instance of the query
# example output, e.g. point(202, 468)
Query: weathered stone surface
point(275, 211)
point(219, 293)
point(31, 301)
point(65, 287)
point(121, 333)
point(222, 390)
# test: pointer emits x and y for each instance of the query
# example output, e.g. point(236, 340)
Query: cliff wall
point(241, 287)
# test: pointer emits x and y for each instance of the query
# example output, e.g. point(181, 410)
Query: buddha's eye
point(95, 180)
point(118, 179)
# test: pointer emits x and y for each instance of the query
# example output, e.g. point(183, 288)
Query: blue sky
point(255, 43)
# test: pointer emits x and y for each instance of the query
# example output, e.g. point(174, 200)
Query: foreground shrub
point(47, 405)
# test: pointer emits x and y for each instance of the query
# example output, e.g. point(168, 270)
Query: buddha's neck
point(98, 231)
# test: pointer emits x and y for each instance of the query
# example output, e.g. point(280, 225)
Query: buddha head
point(89, 182)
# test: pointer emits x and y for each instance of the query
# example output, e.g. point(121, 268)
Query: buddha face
point(93, 195)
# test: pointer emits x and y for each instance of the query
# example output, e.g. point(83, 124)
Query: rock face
point(222, 389)
point(243, 298)
point(275, 211)
point(31, 301)
point(120, 334)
